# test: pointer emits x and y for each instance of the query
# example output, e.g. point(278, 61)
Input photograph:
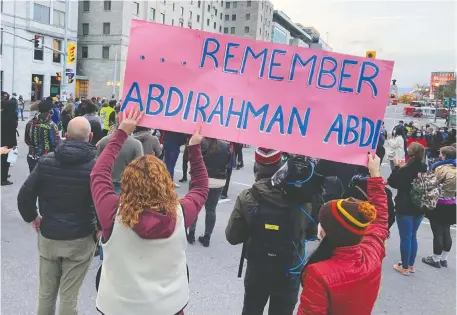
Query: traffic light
point(36, 41)
point(59, 76)
point(71, 53)
point(370, 54)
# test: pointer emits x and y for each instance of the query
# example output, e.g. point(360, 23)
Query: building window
point(181, 24)
point(163, 18)
point(215, 27)
point(207, 22)
point(107, 5)
point(222, 4)
point(199, 4)
point(173, 7)
point(86, 6)
point(136, 9)
point(246, 29)
point(248, 3)
point(85, 52)
point(173, 22)
point(105, 52)
point(85, 28)
point(232, 30)
point(260, 31)
point(262, 5)
point(57, 45)
point(260, 19)
point(190, 14)
point(182, 11)
point(106, 28)
point(215, 12)
point(220, 28)
point(235, 4)
point(209, 8)
point(152, 14)
point(38, 52)
point(41, 13)
point(59, 18)
point(225, 30)
point(233, 17)
point(221, 16)
point(248, 16)
point(227, 17)
point(198, 18)
point(227, 5)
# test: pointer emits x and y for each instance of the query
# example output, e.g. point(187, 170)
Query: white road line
point(223, 200)
point(242, 184)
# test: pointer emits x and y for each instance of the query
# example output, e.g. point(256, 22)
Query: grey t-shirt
point(131, 149)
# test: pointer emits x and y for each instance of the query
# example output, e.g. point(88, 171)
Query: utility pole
point(14, 47)
point(63, 77)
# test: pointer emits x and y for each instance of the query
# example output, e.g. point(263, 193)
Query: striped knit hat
point(267, 156)
point(346, 221)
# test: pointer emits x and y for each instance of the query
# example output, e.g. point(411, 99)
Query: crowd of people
point(114, 195)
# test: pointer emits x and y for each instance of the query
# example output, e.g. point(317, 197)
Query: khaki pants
point(63, 266)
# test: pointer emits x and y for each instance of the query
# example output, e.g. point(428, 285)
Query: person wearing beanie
point(347, 264)
point(254, 223)
point(41, 134)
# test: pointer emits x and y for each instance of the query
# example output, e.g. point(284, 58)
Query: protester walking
point(143, 230)
point(272, 227)
point(216, 155)
point(239, 155)
point(41, 134)
point(20, 107)
point(409, 216)
point(230, 166)
point(395, 148)
point(131, 149)
point(68, 113)
point(107, 116)
point(172, 141)
point(150, 143)
point(8, 136)
point(444, 215)
point(67, 222)
point(348, 261)
point(96, 125)
point(185, 162)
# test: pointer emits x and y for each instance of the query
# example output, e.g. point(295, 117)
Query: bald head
point(79, 129)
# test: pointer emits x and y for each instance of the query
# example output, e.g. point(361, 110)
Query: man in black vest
point(67, 221)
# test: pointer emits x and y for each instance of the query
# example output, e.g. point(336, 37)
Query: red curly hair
point(146, 186)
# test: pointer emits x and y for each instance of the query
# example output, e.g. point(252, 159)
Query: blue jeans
point(170, 156)
point(407, 228)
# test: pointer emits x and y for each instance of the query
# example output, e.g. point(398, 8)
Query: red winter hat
point(267, 156)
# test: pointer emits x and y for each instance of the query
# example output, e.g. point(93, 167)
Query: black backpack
point(271, 235)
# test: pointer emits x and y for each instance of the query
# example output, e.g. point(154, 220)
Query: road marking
point(242, 184)
point(223, 200)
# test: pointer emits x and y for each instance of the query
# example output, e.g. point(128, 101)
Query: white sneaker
point(177, 185)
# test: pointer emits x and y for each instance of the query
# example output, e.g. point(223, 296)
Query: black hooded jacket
point(61, 182)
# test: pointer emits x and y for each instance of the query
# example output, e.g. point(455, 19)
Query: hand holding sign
point(130, 121)
point(197, 137)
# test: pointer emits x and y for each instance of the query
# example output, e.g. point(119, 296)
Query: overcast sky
point(420, 36)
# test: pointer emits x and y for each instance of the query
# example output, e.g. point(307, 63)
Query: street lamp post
point(63, 77)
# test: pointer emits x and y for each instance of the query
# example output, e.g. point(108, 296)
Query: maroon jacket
point(152, 225)
point(348, 283)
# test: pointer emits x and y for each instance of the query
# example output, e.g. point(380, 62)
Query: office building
point(317, 41)
point(251, 19)
point(104, 30)
point(35, 72)
point(285, 31)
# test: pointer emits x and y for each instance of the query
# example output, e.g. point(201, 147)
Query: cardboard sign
point(297, 100)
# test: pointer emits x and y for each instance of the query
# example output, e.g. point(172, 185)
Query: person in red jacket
point(416, 136)
point(347, 264)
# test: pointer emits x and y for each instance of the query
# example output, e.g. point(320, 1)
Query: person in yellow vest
point(107, 115)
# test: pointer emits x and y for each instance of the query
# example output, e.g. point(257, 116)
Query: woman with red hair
point(144, 229)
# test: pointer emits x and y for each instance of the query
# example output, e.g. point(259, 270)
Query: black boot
point(204, 240)
point(183, 180)
point(191, 237)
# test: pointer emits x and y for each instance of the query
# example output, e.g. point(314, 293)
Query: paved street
point(215, 288)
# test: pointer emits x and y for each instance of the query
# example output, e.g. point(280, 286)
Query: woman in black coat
point(8, 137)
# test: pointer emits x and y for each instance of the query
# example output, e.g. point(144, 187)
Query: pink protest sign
point(298, 100)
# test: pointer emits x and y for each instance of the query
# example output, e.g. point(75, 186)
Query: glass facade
point(279, 36)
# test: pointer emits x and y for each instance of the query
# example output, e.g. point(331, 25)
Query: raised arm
point(194, 200)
